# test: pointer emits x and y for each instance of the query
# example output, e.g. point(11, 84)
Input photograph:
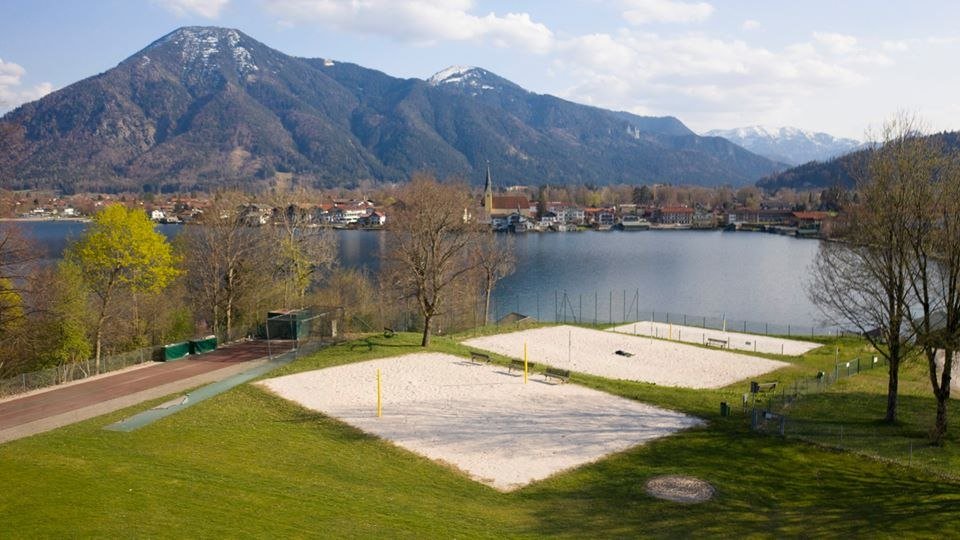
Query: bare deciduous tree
point(302, 251)
point(862, 277)
point(428, 235)
point(494, 259)
point(229, 262)
point(935, 273)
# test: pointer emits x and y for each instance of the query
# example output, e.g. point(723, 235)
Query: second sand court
point(646, 360)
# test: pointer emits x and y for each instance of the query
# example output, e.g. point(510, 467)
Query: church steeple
point(488, 193)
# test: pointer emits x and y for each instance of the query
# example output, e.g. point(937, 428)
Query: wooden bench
point(479, 358)
point(759, 388)
point(717, 342)
point(518, 365)
point(562, 375)
point(388, 332)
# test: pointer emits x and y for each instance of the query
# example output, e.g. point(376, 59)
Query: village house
point(761, 216)
point(349, 212)
point(373, 219)
point(674, 215)
point(549, 218)
point(703, 219)
point(567, 213)
point(810, 220)
point(255, 214)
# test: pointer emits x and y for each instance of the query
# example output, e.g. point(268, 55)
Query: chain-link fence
point(302, 331)
point(625, 306)
point(34, 380)
point(766, 398)
point(804, 410)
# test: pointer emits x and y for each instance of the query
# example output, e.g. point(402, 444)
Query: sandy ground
point(736, 340)
point(654, 361)
point(479, 418)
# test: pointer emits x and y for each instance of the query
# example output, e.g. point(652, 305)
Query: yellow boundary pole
point(524, 362)
point(379, 400)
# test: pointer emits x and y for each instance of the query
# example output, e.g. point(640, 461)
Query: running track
point(60, 406)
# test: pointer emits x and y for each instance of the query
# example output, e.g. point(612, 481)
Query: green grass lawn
point(247, 463)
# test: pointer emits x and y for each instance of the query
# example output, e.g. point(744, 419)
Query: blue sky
point(835, 66)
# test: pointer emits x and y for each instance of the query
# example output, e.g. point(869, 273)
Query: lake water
point(616, 275)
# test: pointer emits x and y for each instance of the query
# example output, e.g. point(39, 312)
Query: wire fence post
point(624, 306)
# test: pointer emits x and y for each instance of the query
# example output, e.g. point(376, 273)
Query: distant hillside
point(787, 144)
point(834, 172)
point(204, 107)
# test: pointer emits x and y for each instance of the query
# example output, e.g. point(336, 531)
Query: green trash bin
point(724, 409)
point(175, 351)
point(203, 345)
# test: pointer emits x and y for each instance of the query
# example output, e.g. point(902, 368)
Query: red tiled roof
point(510, 202)
point(811, 215)
point(676, 210)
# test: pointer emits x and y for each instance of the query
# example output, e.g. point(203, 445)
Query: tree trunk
point(940, 426)
point(99, 334)
point(486, 303)
point(892, 384)
point(228, 310)
point(229, 313)
point(942, 393)
point(101, 318)
point(425, 342)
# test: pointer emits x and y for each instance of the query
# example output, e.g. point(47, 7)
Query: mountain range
point(204, 107)
point(789, 145)
point(841, 170)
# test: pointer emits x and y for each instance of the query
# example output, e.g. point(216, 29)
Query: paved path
point(60, 406)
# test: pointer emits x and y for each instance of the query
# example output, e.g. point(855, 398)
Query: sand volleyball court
point(480, 418)
point(652, 360)
point(729, 340)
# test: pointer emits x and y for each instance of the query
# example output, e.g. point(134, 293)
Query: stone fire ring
point(681, 489)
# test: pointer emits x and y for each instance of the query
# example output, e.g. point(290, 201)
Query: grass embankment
point(247, 463)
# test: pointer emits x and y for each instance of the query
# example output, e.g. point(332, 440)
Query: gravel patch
point(653, 361)
point(478, 418)
point(735, 340)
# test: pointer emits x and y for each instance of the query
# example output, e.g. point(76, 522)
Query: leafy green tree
point(121, 251)
point(69, 312)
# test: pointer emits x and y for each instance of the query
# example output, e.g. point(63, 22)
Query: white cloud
point(836, 43)
point(895, 46)
point(641, 12)
point(422, 22)
point(11, 91)
point(750, 24)
point(699, 77)
point(209, 9)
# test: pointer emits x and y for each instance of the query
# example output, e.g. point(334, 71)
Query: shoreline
point(39, 219)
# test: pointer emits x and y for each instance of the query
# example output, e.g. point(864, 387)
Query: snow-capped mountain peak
point(789, 145)
point(453, 74)
point(203, 48)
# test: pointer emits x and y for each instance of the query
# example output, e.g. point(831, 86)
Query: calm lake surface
point(620, 275)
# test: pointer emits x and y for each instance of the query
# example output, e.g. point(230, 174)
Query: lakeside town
point(513, 209)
